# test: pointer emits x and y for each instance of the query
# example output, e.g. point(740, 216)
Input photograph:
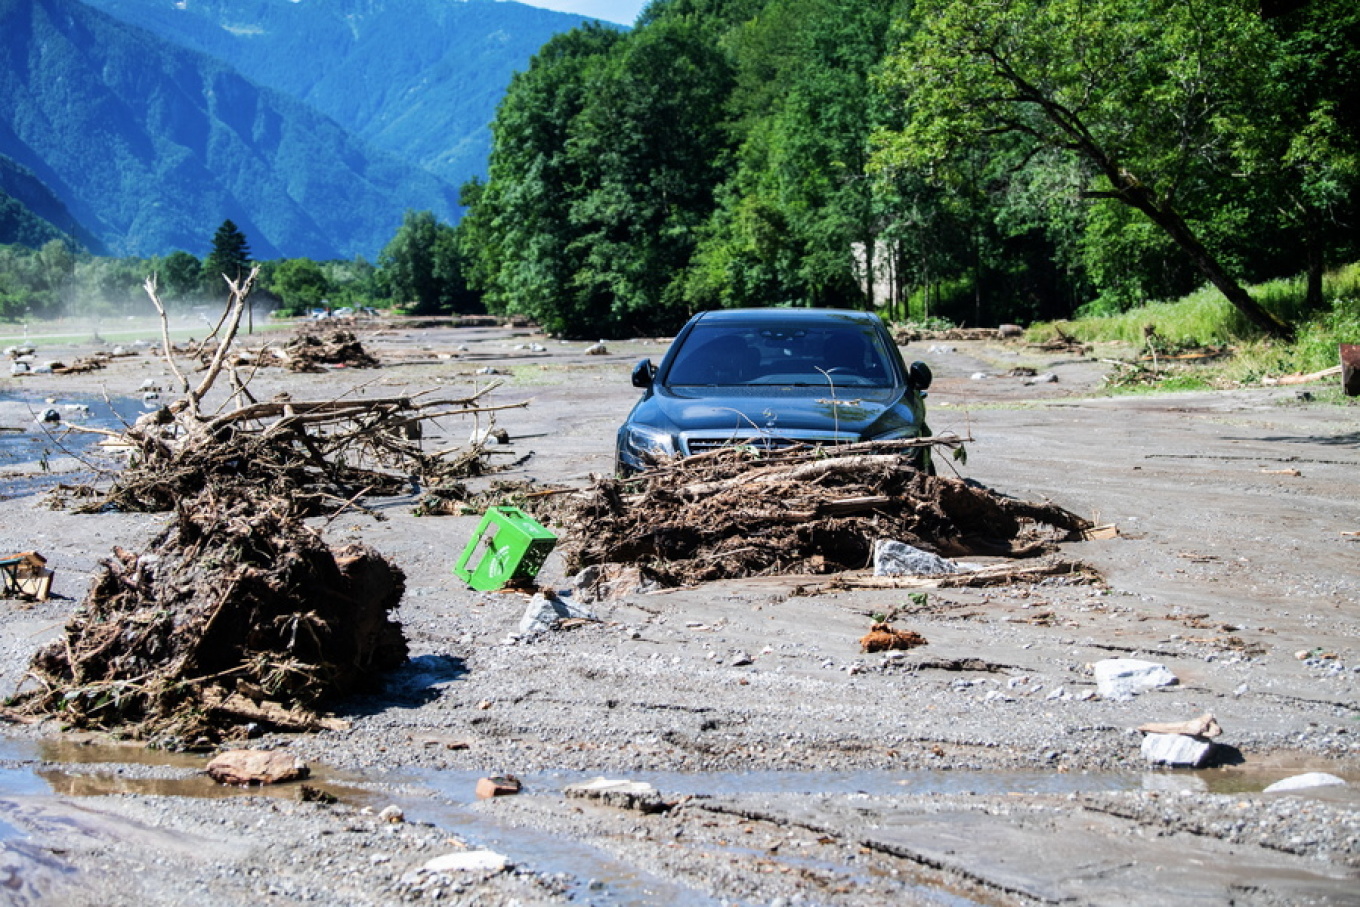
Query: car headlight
point(646, 443)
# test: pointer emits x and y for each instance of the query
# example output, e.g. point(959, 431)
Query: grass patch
point(1205, 319)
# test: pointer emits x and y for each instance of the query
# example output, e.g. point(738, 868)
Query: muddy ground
point(979, 768)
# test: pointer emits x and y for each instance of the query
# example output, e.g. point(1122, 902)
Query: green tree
point(422, 265)
point(518, 234)
point(229, 258)
point(300, 283)
point(649, 146)
point(797, 219)
point(1153, 99)
point(181, 273)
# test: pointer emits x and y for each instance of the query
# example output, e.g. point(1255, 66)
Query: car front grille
point(702, 442)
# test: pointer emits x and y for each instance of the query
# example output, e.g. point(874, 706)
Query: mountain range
point(313, 124)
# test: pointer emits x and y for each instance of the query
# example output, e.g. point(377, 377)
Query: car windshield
point(838, 354)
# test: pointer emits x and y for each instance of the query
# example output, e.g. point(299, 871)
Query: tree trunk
point(1170, 220)
point(1317, 262)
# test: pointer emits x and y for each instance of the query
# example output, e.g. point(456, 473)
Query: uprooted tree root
point(236, 615)
point(725, 517)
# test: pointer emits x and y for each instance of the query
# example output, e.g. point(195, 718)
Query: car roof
point(783, 315)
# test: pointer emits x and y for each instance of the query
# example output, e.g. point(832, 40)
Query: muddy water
point(446, 798)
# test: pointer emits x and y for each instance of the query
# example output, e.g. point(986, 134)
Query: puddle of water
point(65, 766)
point(459, 786)
point(33, 442)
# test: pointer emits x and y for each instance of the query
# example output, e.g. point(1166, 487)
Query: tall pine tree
point(230, 256)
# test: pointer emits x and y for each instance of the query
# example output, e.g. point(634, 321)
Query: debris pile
point(237, 617)
point(323, 455)
point(319, 349)
point(726, 515)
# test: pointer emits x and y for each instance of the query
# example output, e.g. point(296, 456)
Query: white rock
point(469, 861)
point(1176, 750)
point(543, 613)
point(1305, 781)
point(893, 558)
point(1124, 678)
point(392, 814)
point(597, 349)
point(979, 376)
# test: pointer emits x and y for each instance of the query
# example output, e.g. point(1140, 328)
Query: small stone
point(392, 814)
point(498, 786)
point(1124, 678)
point(622, 794)
point(1176, 750)
point(1305, 781)
point(256, 767)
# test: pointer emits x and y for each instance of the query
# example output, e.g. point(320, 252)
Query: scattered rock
point(392, 814)
point(497, 786)
point(1124, 678)
point(243, 767)
point(1176, 750)
point(1306, 781)
point(546, 613)
point(597, 349)
point(611, 582)
point(634, 795)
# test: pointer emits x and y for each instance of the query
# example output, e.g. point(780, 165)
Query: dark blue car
point(771, 378)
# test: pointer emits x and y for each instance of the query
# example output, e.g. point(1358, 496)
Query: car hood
point(777, 409)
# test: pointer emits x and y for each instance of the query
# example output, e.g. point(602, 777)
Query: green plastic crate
point(515, 547)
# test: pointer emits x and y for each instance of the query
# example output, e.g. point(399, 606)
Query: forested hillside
point(983, 160)
point(419, 78)
point(150, 146)
point(31, 214)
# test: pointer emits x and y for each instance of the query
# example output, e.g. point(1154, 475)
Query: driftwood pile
point(725, 515)
point(235, 619)
point(316, 350)
point(322, 455)
point(239, 617)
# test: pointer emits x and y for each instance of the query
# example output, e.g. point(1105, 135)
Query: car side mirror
point(919, 375)
point(643, 373)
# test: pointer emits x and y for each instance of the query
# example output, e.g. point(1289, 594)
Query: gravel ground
point(981, 768)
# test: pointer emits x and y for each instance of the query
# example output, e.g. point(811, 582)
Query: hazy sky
point(624, 12)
